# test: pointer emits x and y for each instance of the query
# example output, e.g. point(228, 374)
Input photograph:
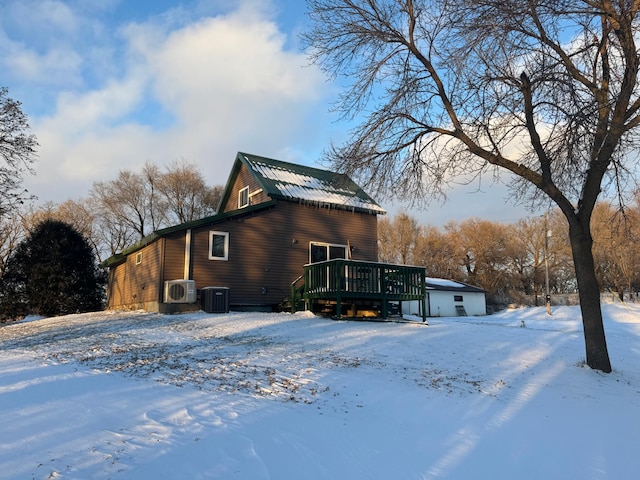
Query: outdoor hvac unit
point(215, 299)
point(180, 291)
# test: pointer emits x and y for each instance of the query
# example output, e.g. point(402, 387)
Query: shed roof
point(288, 181)
point(443, 284)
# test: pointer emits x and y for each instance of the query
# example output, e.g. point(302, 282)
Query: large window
point(319, 252)
point(243, 197)
point(218, 245)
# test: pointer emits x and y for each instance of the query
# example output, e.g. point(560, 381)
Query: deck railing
point(344, 280)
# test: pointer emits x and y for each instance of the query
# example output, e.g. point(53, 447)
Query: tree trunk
point(589, 292)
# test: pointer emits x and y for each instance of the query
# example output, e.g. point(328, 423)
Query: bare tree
point(537, 248)
point(186, 193)
point(130, 201)
point(526, 255)
point(544, 89)
point(17, 152)
point(397, 238)
point(212, 197)
point(133, 205)
point(11, 234)
point(616, 253)
point(156, 204)
point(436, 251)
point(112, 235)
point(481, 251)
point(386, 247)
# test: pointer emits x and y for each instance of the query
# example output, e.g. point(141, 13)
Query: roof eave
point(337, 206)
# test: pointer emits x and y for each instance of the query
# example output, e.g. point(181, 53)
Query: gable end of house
point(255, 179)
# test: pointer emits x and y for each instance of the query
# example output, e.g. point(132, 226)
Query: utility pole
point(547, 234)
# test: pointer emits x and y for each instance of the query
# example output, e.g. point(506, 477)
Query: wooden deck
point(349, 283)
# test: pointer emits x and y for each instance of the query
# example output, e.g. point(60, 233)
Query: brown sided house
point(274, 217)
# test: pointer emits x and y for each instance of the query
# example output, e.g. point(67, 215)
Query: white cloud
point(95, 111)
point(220, 84)
point(173, 86)
point(41, 17)
point(53, 67)
point(177, 87)
point(46, 43)
point(222, 63)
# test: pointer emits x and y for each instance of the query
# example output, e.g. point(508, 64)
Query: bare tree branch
point(545, 89)
point(17, 152)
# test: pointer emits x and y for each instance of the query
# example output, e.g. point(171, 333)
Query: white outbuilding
point(447, 298)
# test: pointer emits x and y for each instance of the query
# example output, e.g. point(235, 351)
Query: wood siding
point(132, 285)
point(174, 250)
point(268, 249)
point(244, 179)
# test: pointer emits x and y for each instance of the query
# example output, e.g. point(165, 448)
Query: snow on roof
point(322, 195)
point(287, 176)
point(314, 185)
point(441, 282)
point(450, 285)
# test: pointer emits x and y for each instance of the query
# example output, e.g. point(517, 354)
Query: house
point(447, 298)
point(274, 217)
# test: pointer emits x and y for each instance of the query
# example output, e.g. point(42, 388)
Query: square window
point(218, 245)
point(243, 197)
point(457, 298)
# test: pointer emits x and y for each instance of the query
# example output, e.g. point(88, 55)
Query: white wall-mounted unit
point(180, 291)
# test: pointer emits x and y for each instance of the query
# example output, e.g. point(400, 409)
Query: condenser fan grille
point(177, 291)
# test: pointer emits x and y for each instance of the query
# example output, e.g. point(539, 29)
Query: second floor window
point(243, 197)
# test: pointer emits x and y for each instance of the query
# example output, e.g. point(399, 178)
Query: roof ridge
point(294, 166)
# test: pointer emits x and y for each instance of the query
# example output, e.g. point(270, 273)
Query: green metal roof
point(288, 181)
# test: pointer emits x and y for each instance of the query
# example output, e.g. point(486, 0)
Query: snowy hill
point(134, 395)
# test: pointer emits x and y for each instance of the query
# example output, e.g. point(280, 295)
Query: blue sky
point(108, 85)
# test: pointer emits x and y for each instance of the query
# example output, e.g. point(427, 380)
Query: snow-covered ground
point(134, 395)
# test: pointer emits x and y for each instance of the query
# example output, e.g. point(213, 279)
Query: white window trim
point(240, 195)
point(226, 245)
point(138, 258)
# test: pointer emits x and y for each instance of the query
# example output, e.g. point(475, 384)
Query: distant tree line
point(117, 213)
point(508, 260)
